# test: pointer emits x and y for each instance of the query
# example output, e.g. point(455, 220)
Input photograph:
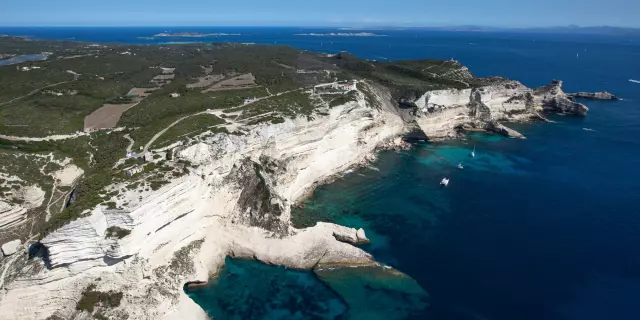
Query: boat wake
point(634, 81)
point(587, 129)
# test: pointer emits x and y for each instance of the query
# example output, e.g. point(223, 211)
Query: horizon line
point(320, 26)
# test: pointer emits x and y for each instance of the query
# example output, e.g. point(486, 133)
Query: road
point(75, 77)
point(160, 133)
point(131, 142)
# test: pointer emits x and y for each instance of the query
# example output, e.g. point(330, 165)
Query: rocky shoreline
point(237, 197)
point(602, 95)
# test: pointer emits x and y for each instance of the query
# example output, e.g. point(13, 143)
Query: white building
point(134, 171)
point(347, 86)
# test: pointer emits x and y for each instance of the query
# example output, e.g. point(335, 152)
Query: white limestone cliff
point(236, 202)
point(441, 112)
point(215, 211)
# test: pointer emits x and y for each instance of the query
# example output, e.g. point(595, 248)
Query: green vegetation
point(408, 79)
point(157, 184)
point(191, 126)
point(102, 80)
point(110, 147)
point(117, 232)
point(181, 262)
point(92, 299)
point(289, 105)
point(343, 98)
point(77, 79)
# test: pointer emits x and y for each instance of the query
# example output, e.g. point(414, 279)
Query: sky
point(348, 13)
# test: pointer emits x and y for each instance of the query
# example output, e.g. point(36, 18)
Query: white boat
point(460, 166)
point(473, 153)
point(444, 182)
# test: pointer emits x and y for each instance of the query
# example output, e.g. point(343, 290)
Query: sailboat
point(473, 153)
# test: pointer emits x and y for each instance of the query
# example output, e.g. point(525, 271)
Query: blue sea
point(542, 228)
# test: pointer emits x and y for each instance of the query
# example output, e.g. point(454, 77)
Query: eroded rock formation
point(602, 95)
point(236, 202)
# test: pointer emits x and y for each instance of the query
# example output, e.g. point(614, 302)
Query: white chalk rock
point(11, 215)
point(361, 236)
point(11, 247)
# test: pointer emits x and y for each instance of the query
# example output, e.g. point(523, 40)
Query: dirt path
point(53, 192)
point(36, 91)
point(6, 267)
point(157, 135)
point(131, 142)
point(54, 137)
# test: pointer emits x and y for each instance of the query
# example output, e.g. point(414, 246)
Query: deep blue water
point(544, 228)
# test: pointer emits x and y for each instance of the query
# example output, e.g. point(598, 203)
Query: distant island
point(195, 34)
point(571, 29)
point(341, 34)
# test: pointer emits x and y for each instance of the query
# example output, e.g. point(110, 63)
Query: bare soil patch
point(106, 117)
point(239, 82)
point(205, 81)
point(141, 92)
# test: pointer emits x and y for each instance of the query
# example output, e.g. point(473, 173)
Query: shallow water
point(277, 293)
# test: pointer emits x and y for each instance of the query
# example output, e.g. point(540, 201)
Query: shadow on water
point(39, 250)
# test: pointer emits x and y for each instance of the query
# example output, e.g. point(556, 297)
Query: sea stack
point(601, 95)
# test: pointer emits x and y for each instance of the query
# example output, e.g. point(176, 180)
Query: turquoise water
point(248, 290)
point(542, 228)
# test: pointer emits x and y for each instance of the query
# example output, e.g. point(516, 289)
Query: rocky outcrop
point(441, 113)
point(361, 236)
point(235, 201)
point(553, 99)
point(602, 95)
point(11, 247)
point(11, 215)
point(501, 129)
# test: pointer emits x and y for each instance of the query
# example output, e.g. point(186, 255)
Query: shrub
point(117, 232)
point(91, 299)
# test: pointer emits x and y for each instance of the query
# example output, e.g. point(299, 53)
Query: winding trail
point(131, 142)
point(75, 77)
point(53, 137)
point(34, 92)
point(160, 133)
point(49, 204)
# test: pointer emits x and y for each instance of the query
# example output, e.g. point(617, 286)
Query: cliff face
point(442, 112)
point(234, 202)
